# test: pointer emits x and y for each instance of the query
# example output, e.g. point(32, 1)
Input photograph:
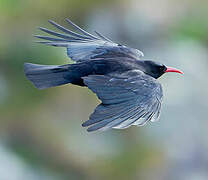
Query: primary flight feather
point(126, 85)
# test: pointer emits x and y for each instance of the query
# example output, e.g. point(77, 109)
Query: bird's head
point(156, 70)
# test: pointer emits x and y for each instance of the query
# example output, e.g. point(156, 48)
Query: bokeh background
point(41, 137)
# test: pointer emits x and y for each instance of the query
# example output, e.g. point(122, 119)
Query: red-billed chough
point(126, 85)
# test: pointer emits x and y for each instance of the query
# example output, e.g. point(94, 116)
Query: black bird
point(126, 85)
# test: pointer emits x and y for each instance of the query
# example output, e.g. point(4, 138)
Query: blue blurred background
point(41, 137)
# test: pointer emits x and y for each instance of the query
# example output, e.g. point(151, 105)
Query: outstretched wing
point(128, 99)
point(84, 46)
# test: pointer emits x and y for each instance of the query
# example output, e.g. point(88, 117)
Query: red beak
point(170, 69)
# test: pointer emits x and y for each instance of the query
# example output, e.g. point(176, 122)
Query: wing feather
point(69, 31)
point(84, 46)
point(134, 103)
point(81, 30)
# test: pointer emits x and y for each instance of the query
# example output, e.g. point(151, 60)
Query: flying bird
point(126, 85)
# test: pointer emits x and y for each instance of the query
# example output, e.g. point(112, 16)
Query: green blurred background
point(40, 131)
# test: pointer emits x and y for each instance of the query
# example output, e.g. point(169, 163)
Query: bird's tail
point(45, 76)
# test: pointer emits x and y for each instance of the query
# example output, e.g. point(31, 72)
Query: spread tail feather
point(45, 76)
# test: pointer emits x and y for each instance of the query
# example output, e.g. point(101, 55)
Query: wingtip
point(85, 124)
point(67, 19)
point(41, 42)
point(41, 28)
point(90, 129)
point(36, 36)
point(50, 21)
point(94, 129)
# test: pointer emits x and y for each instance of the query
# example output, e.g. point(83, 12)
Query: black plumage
point(125, 84)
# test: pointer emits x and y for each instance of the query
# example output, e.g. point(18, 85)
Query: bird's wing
point(84, 46)
point(128, 99)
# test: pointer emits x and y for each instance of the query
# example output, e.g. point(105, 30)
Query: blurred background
point(41, 137)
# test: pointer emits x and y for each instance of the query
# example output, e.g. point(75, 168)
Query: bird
point(126, 84)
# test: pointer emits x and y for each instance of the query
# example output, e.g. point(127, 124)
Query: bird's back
point(110, 66)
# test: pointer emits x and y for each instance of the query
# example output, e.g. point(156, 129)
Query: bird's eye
point(162, 67)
